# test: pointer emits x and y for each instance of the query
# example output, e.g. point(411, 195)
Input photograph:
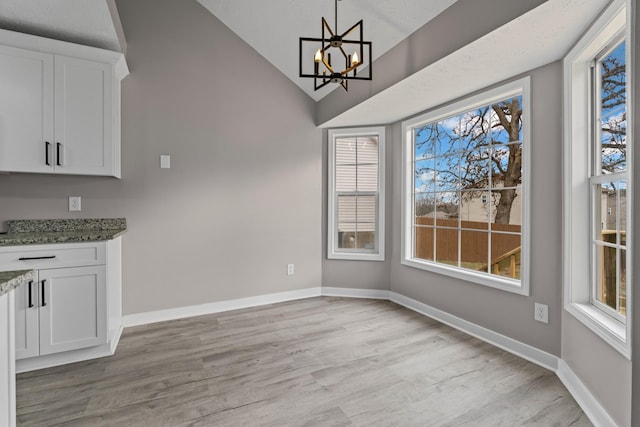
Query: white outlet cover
point(75, 203)
point(541, 313)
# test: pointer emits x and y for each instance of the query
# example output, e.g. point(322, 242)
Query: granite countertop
point(43, 231)
point(9, 280)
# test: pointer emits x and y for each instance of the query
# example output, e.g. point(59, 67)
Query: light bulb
point(354, 59)
point(318, 56)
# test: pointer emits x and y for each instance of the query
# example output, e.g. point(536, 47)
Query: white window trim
point(517, 87)
point(332, 221)
point(577, 188)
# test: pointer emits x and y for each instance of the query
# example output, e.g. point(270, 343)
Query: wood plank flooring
point(314, 362)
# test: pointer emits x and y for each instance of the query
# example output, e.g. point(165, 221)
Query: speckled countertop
point(9, 280)
point(43, 231)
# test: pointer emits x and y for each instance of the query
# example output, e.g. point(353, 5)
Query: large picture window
point(597, 179)
point(465, 195)
point(356, 194)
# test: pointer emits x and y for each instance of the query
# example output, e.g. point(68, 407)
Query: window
point(608, 181)
point(597, 179)
point(466, 189)
point(356, 194)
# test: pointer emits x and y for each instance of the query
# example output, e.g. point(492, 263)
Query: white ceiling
point(543, 35)
point(274, 27)
point(78, 21)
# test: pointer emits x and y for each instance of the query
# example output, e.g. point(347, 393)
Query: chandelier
point(344, 66)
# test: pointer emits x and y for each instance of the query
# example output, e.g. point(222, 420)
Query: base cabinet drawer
point(41, 257)
point(63, 309)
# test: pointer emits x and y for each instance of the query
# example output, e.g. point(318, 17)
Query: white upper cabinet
point(83, 135)
point(26, 110)
point(59, 107)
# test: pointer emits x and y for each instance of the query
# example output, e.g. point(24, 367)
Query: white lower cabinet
point(72, 310)
point(7, 362)
point(64, 309)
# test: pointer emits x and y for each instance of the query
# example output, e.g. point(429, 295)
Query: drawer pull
point(44, 303)
point(29, 258)
point(30, 296)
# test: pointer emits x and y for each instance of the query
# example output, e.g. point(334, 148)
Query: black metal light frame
point(325, 73)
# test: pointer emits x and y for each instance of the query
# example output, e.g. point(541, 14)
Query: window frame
point(580, 179)
point(333, 252)
point(517, 87)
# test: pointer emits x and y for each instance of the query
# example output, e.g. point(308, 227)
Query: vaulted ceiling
point(273, 27)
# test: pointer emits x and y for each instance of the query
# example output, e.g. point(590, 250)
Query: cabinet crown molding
point(58, 47)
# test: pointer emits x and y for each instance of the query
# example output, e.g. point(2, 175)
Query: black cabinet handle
point(29, 258)
point(30, 296)
point(47, 144)
point(44, 303)
point(58, 155)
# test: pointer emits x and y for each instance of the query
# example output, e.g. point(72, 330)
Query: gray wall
point(242, 198)
point(500, 311)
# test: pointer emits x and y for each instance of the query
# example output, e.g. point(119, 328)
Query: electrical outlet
point(290, 269)
point(75, 203)
point(541, 313)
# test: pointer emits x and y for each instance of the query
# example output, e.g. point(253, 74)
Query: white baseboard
point(216, 307)
point(520, 349)
point(354, 293)
point(589, 404)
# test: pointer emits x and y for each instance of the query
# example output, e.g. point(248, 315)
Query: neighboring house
point(609, 209)
point(475, 206)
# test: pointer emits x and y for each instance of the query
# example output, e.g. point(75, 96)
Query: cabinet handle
point(44, 303)
point(30, 296)
point(58, 154)
point(47, 144)
point(29, 258)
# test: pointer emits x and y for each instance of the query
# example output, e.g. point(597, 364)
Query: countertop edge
point(78, 236)
point(10, 280)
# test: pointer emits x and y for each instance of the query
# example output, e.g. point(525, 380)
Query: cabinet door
point(73, 303)
point(83, 117)
point(27, 334)
point(26, 110)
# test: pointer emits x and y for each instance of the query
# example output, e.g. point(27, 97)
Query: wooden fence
point(474, 244)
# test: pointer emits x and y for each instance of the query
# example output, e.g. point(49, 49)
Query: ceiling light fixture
point(324, 70)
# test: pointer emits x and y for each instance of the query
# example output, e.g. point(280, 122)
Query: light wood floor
point(314, 362)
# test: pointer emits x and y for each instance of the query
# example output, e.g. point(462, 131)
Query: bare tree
point(613, 126)
point(463, 159)
point(510, 118)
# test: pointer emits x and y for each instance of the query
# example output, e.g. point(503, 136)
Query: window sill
point(504, 284)
point(611, 331)
point(356, 256)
